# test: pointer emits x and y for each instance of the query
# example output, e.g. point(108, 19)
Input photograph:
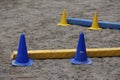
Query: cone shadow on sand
point(81, 55)
point(95, 25)
point(63, 21)
point(22, 58)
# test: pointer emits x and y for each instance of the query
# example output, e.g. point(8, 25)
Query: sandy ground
point(38, 20)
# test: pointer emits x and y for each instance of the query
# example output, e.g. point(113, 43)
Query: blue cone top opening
point(81, 55)
point(22, 58)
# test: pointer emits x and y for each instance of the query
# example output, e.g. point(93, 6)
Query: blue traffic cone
point(22, 58)
point(81, 55)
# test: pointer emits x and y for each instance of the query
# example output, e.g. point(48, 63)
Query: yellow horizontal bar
point(68, 53)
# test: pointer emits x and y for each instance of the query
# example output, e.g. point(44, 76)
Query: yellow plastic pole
point(68, 53)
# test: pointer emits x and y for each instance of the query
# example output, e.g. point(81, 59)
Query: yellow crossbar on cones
point(95, 25)
point(68, 53)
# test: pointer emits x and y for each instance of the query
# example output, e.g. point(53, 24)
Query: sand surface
point(38, 20)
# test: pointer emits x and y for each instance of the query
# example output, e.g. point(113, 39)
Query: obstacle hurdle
point(88, 23)
point(68, 53)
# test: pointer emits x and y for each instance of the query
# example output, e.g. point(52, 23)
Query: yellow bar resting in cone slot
point(63, 21)
point(68, 53)
point(95, 25)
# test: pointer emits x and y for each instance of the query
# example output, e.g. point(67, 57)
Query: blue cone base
point(29, 63)
point(73, 61)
